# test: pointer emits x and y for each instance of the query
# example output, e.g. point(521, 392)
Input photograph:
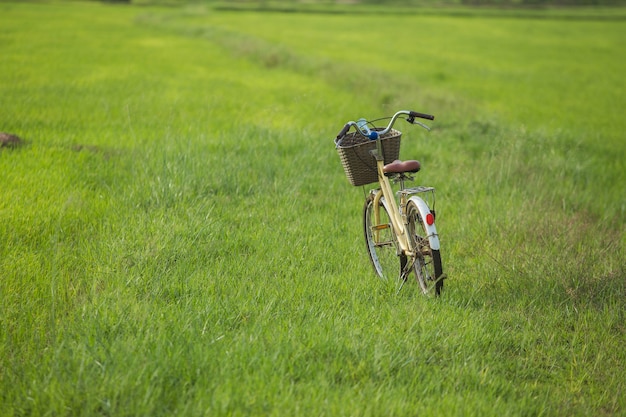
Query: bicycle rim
point(381, 241)
point(427, 267)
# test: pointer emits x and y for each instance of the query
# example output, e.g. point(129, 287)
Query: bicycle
point(399, 230)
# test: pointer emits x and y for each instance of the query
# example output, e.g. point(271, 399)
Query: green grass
point(177, 236)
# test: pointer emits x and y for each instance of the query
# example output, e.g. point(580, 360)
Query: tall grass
point(177, 237)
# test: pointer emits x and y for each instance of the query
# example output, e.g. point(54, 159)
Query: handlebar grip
point(421, 115)
point(344, 131)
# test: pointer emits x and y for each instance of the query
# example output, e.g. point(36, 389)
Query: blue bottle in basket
point(362, 125)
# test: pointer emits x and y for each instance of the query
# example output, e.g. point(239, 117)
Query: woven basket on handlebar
point(358, 164)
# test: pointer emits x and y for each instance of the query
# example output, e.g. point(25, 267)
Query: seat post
point(401, 179)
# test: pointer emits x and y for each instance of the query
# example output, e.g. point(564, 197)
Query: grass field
point(177, 236)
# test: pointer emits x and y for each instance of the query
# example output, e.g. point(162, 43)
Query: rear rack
point(415, 190)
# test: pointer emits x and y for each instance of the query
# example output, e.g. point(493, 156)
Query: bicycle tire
point(428, 267)
point(381, 240)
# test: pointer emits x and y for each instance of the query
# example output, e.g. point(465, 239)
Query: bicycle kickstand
point(405, 270)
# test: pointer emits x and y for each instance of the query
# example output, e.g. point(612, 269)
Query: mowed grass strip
point(178, 236)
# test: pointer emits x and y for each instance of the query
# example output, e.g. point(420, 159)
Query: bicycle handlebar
point(362, 128)
point(421, 115)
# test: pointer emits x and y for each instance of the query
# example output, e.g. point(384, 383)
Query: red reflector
point(430, 219)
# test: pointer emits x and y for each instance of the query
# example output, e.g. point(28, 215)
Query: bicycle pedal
point(381, 227)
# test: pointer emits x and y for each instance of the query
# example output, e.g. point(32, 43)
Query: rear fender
point(431, 230)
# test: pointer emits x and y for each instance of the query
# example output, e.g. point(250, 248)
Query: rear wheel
point(427, 267)
point(382, 244)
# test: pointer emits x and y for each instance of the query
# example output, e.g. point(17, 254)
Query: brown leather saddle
point(400, 167)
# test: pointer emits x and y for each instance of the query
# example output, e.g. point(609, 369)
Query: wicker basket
point(358, 164)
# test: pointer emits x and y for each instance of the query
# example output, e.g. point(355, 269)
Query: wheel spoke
point(382, 244)
point(428, 264)
point(382, 248)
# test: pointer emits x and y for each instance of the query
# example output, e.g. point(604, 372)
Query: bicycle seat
point(398, 167)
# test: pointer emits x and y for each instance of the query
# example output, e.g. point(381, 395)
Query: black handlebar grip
point(344, 131)
point(422, 115)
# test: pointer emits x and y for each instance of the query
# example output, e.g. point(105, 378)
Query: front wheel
point(427, 267)
point(381, 240)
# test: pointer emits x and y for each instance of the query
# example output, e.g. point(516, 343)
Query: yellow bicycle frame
point(397, 220)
